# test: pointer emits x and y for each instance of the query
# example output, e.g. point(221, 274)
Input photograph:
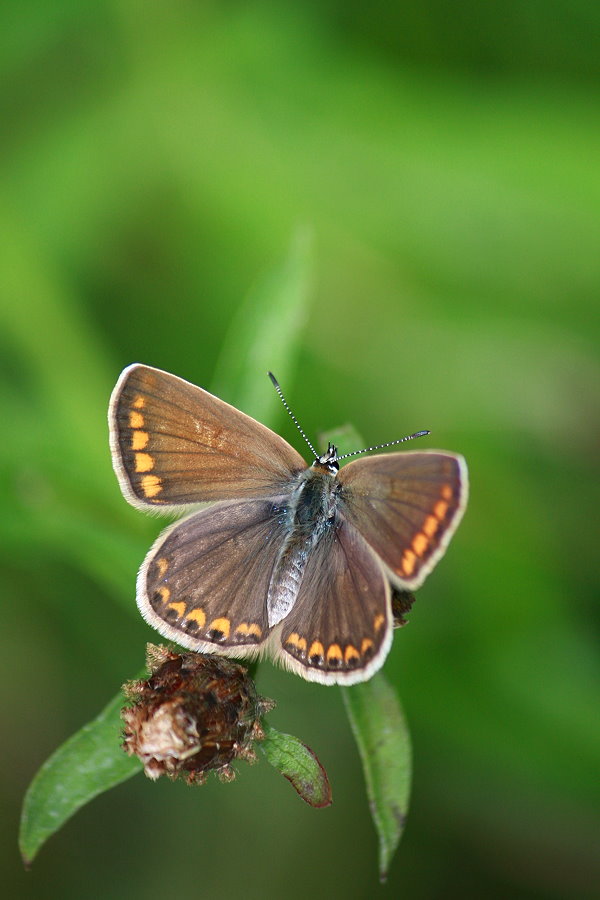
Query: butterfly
point(307, 564)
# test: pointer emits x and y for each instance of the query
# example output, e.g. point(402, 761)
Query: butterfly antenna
point(291, 414)
point(390, 444)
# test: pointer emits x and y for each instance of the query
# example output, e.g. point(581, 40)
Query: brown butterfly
point(306, 564)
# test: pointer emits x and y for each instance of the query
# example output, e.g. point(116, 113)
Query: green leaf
point(266, 333)
point(384, 745)
point(90, 762)
point(299, 764)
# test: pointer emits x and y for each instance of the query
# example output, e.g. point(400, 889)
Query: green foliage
point(88, 764)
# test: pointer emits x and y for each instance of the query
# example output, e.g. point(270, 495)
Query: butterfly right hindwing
point(340, 628)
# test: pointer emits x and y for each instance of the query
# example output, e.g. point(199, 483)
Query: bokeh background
point(418, 186)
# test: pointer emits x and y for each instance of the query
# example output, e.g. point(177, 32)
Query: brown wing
point(174, 444)
point(407, 506)
point(339, 630)
point(204, 583)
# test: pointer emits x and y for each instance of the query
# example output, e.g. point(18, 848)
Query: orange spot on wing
point(197, 615)
point(164, 592)
point(178, 607)
point(139, 440)
point(408, 562)
point(420, 543)
point(440, 509)
point(223, 625)
point(151, 485)
point(316, 650)
point(136, 419)
point(378, 621)
point(248, 629)
point(430, 526)
point(139, 402)
point(351, 654)
point(447, 492)
point(143, 462)
point(334, 652)
point(162, 565)
point(367, 644)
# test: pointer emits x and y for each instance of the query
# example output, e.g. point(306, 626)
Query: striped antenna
point(409, 437)
point(291, 414)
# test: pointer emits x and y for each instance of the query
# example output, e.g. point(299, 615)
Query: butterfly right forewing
point(407, 506)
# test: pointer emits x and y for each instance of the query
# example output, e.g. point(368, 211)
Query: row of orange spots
point(244, 629)
point(422, 539)
point(151, 485)
point(334, 654)
point(139, 439)
point(143, 461)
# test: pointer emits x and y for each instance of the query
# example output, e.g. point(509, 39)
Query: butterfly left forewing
point(339, 630)
point(407, 506)
point(204, 582)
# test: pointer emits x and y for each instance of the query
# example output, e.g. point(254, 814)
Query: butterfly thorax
point(310, 514)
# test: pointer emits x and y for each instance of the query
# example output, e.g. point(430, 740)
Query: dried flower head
point(195, 713)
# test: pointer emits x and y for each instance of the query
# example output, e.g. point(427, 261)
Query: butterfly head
point(328, 461)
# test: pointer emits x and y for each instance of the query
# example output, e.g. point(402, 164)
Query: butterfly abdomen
point(309, 515)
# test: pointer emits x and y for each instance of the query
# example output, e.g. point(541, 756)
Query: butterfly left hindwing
point(205, 581)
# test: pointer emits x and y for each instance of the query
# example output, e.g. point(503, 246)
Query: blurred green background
point(426, 174)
